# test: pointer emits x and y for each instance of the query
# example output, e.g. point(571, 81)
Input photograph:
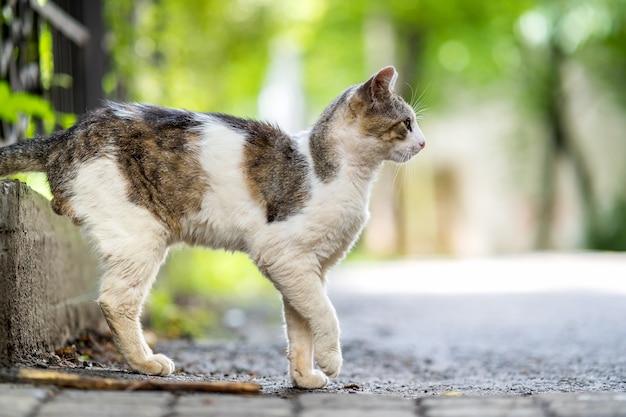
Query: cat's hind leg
point(125, 285)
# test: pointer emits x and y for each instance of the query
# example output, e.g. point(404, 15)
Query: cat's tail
point(25, 156)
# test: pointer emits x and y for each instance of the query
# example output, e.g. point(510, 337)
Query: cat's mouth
point(406, 154)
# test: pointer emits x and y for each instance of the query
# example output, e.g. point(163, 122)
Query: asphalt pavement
point(534, 335)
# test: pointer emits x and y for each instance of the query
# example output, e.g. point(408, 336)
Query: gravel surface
point(420, 346)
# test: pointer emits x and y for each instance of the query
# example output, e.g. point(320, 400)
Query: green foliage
point(197, 271)
point(610, 234)
point(38, 181)
point(197, 285)
point(46, 58)
point(174, 316)
point(201, 54)
point(16, 104)
point(34, 107)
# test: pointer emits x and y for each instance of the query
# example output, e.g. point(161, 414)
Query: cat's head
point(366, 125)
point(387, 125)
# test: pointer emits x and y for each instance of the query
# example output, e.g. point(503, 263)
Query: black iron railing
point(52, 50)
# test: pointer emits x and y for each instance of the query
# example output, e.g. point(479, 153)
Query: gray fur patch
point(326, 161)
point(276, 172)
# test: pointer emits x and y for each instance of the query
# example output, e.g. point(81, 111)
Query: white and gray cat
point(138, 179)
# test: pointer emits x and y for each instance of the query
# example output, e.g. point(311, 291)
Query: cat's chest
point(341, 212)
point(336, 216)
point(337, 226)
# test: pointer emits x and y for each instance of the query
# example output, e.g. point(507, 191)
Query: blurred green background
point(523, 107)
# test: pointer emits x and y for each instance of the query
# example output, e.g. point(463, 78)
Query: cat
point(139, 178)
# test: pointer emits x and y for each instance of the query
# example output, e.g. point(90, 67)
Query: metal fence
point(77, 32)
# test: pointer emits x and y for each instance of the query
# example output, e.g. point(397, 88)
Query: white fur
point(228, 215)
point(125, 111)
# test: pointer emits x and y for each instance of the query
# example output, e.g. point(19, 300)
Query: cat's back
point(118, 130)
point(146, 155)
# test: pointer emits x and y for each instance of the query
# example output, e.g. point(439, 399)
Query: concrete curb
point(48, 276)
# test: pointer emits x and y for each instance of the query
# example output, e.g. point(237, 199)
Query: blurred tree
point(205, 55)
point(553, 35)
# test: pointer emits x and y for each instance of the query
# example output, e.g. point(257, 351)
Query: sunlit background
point(523, 106)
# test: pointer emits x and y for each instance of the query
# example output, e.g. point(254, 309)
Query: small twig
point(67, 380)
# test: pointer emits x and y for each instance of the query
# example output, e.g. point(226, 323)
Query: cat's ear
point(380, 86)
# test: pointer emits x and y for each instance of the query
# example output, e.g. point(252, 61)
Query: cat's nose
point(421, 139)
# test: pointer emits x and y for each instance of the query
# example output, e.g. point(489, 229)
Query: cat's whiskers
point(398, 187)
point(413, 95)
point(408, 174)
point(400, 170)
point(417, 103)
point(396, 171)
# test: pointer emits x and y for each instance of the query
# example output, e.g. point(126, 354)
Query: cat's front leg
point(300, 351)
point(305, 294)
point(326, 344)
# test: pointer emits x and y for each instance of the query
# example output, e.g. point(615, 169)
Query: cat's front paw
point(314, 380)
point(329, 362)
point(153, 365)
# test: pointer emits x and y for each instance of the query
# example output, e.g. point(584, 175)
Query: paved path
point(517, 325)
point(28, 401)
point(523, 336)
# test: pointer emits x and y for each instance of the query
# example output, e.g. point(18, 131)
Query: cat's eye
point(407, 124)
